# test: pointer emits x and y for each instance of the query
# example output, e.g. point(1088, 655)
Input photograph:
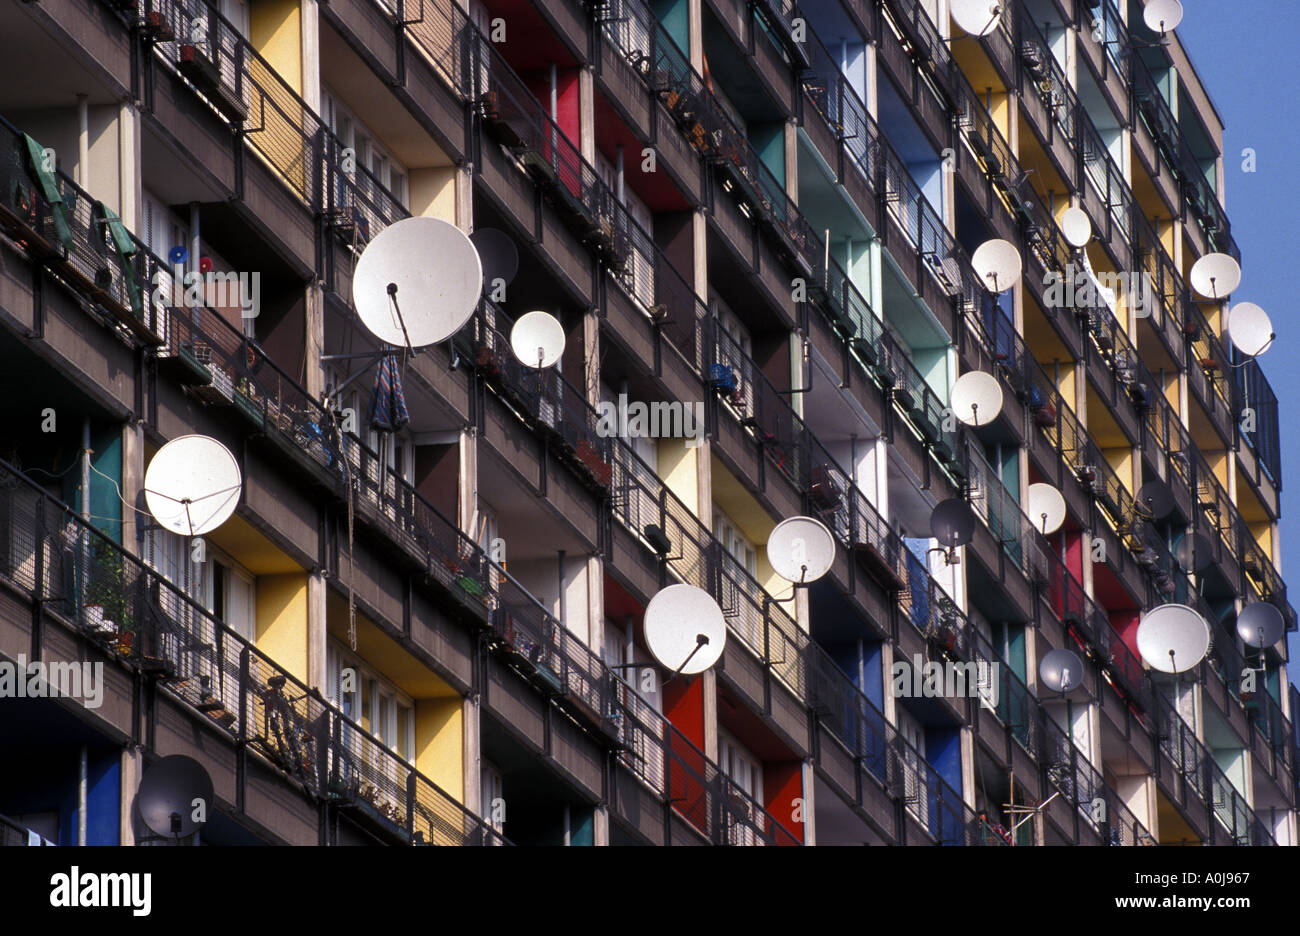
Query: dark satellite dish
point(170, 792)
point(1194, 553)
point(1155, 500)
point(1061, 670)
point(498, 254)
point(952, 523)
point(1260, 624)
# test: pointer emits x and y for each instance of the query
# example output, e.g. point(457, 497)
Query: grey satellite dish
point(1173, 638)
point(498, 255)
point(1061, 670)
point(1076, 226)
point(1195, 553)
point(801, 549)
point(976, 398)
point(537, 339)
point(1162, 15)
point(1215, 275)
point(170, 794)
point(977, 17)
point(417, 283)
point(685, 629)
point(952, 523)
point(997, 262)
point(1250, 329)
point(1155, 499)
point(1046, 507)
point(192, 485)
point(1260, 624)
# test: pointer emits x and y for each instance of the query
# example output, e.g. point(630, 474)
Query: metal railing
point(112, 597)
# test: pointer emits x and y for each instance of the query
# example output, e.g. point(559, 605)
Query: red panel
point(684, 708)
point(783, 784)
point(1125, 624)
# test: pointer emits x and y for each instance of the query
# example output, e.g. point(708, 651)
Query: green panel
point(1011, 473)
point(768, 141)
point(582, 827)
point(676, 18)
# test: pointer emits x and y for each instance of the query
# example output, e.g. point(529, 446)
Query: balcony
point(154, 630)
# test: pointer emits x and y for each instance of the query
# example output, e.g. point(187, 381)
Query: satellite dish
point(997, 263)
point(537, 339)
point(1061, 670)
point(1215, 275)
point(169, 794)
point(498, 255)
point(192, 485)
point(952, 522)
point(1173, 638)
point(1195, 553)
point(1076, 226)
point(1250, 329)
point(976, 398)
point(417, 282)
point(801, 549)
point(977, 17)
point(1260, 624)
point(684, 629)
point(1155, 499)
point(1045, 507)
point(1162, 15)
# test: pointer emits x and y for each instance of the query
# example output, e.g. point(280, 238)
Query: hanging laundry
point(388, 402)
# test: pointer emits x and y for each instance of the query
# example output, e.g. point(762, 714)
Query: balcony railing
point(1252, 392)
point(106, 593)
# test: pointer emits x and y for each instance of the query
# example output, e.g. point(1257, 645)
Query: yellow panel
point(677, 469)
point(433, 193)
point(440, 744)
point(384, 654)
point(753, 520)
point(1121, 461)
point(1065, 384)
point(282, 620)
point(251, 549)
point(275, 31)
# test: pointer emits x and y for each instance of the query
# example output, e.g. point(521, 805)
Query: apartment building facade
point(433, 634)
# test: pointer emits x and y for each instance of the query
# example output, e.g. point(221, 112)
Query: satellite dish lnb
point(1061, 670)
point(801, 549)
point(1046, 507)
point(417, 283)
point(1173, 638)
point(685, 629)
point(1076, 226)
point(1260, 624)
point(498, 255)
point(537, 339)
point(997, 262)
point(1162, 15)
point(192, 485)
point(1215, 275)
point(976, 398)
point(977, 17)
point(172, 793)
point(1250, 329)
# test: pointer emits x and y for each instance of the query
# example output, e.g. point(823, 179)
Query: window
point(740, 564)
point(369, 154)
point(735, 351)
point(745, 772)
point(916, 795)
point(491, 797)
point(641, 703)
point(638, 276)
point(372, 701)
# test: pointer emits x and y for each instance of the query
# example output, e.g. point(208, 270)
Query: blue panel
point(943, 751)
point(103, 799)
point(873, 681)
point(581, 827)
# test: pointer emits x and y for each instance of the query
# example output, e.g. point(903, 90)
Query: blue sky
point(1244, 52)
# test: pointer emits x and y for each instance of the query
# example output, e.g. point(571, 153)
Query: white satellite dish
point(685, 629)
point(1215, 275)
point(977, 17)
point(997, 262)
point(192, 485)
point(537, 339)
point(1260, 624)
point(1045, 507)
point(801, 549)
point(1250, 329)
point(1076, 226)
point(1061, 670)
point(1162, 15)
point(1173, 638)
point(417, 282)
point(976, 398)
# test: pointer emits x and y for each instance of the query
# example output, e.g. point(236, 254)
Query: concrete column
point(467, 503)
point(130, 182)
point(809, 803)
point(132, 479)
point(309, 33)
point(695, 50)
point(472, 761)
point(792, 160)
point(591, 357)
point(314, 336)
point(317, 632)
point(131, 768)
point(587, 115)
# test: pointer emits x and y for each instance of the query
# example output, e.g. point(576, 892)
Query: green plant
point(106, 585)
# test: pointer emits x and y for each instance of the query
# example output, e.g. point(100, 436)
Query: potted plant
point(106, 606)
